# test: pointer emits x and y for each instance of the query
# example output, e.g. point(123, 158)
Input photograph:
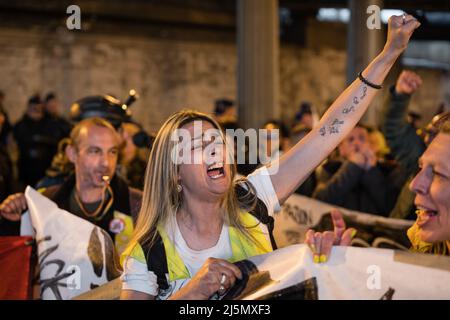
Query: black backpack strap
point(259, 212)
point(157, 261)
point(156, 254)
point(265, 218)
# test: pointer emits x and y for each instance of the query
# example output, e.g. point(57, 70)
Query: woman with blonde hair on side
point(196, 220)
point(431, 185)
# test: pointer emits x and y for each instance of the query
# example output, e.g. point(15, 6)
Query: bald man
point(93, 192)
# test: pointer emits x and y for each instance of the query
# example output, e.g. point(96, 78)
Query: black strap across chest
point(156, 254)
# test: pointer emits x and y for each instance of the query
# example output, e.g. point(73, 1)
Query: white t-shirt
point(136, 275)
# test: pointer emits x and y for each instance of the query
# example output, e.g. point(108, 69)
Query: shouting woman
point(196, 219)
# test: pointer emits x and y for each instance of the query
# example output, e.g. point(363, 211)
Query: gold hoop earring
point(179, 188)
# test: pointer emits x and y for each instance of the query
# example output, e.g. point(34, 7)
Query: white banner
point(299, 213)
point(74, 255)
point(350, 273)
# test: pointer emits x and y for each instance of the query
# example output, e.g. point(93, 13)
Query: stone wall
point(434, 91)
point(168, 75)
point(317, 76)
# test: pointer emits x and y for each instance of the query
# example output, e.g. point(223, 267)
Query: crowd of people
point(370, 170)
point(104, 162)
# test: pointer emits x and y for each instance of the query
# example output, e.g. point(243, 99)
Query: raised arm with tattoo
point(296, 165)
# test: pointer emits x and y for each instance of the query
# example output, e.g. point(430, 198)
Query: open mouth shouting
point(216, 171)
point(425, 215)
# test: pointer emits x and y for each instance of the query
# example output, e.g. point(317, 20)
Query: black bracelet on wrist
point(370, 84)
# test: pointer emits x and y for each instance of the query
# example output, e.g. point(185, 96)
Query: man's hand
point(13, 206)
point(408, 82)
point(321, 243)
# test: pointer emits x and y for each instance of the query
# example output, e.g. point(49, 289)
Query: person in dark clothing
point(6, 173)
point(307, 188)
point(60, 169)
point(5, 127)
point(225, 112)
point(93, 192)
point(402, 138)
point(37, 137)
point(414, 119)
point(133, 160)
point(355, 181)
point(270, 145)
point(53, 113)
point(304, 122)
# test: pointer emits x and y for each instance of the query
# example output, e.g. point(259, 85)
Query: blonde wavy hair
point(161, 199)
